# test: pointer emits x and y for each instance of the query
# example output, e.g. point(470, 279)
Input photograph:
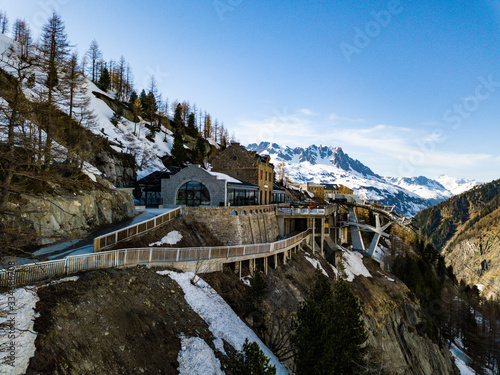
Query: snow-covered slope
point(125, 137)
point(423, 187)
point(323, 164)
point(456, 185)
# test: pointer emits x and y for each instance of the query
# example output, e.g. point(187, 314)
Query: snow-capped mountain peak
point(325, 164)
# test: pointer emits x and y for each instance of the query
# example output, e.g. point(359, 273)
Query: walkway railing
point(112, 238)
point(305, 211)
point(31, 273)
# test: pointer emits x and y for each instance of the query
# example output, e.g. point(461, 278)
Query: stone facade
point(236, 161)
point(237, 225)
point(217, 188)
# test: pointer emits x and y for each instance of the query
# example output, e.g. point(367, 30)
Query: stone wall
point(237, 225)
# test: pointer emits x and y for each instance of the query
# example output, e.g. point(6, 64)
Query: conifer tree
point(251, 360)
point(178, 115)
point(104, 80)
point(191, 127)
point(133, 97)
point(178, 151)
point(199, 150)
point(349, 332)
point(329, 333)
point(313, 340)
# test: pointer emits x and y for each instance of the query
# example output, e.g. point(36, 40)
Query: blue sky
point(407, 87)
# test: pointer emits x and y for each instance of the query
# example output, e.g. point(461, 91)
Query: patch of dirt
point(125, 321)
point(194, 234)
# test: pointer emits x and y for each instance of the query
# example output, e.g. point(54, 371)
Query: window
point(193, 194)
point(261, 174)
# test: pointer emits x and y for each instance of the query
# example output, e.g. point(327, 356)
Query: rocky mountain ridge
point(324, 164)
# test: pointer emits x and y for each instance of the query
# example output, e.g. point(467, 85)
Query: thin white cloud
point(307, 112)
point(286, 129)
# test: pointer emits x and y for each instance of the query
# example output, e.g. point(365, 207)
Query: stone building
point(194, 186)
point(236, 161)
point(317, 189)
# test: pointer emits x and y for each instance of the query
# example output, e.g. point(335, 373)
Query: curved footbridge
point(198, 260)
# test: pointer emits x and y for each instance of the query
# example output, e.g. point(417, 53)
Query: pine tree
point(104, 80)
point(349, 333)
point(191, 127)
point(178, 151)
point(199, 150)
point(313, 340)
point(178, 115)
point(251, 360)
point(133, 97)
point(329, 333)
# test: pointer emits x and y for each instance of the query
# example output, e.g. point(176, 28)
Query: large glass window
point(193, 194)
point(237, 197)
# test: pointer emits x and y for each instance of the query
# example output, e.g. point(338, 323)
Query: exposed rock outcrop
point(476, 261)
point(69, 215)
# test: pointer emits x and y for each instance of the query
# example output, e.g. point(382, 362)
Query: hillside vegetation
point(439, 224)
point(466, 229)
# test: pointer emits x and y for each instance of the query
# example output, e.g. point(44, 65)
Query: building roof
point(243, 184)
point(155, 177)
point(331, 186)
point(222, 176)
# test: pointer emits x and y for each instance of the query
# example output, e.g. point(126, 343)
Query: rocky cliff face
point(69, 215)
point(476, 261)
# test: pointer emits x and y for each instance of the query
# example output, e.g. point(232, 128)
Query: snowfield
point(221, 319)
point(197, 358)
point(353, 265)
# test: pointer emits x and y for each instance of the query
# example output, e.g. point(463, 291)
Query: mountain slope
point(466, 228)
point(323, 164)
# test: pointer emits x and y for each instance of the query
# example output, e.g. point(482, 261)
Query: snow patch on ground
point(66, 279)
point(315, 263)
point(221, 319)
point(246, 280)
point(23, 315)
point(197, 358)
point(170, 239)
point(353, 265)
